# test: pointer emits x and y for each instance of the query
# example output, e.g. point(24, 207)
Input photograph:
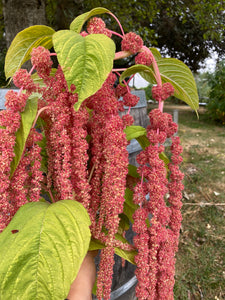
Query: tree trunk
point(19, 15)
point(66, 11)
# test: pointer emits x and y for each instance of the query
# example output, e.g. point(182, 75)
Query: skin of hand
point(81, 288)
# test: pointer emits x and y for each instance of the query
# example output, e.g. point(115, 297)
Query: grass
point(200, 267)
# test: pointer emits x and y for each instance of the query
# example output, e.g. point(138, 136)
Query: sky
point(138, 82)
point(210, 64)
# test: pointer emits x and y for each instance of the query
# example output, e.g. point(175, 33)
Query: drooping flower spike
point(87, 161)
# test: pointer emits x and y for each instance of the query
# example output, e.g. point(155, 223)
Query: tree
point(185, 29)
point(216, 105)
point(60, 13)
point(21, 14)
point(190, 30)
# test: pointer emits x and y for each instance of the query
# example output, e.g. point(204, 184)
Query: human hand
point(81, 288)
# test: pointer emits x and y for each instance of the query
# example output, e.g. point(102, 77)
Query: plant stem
point(91, 173)
point(122, 54)
point(121, 28)
point(51, 196)
point(116, 33)
point(38, 114)
point(119, 70)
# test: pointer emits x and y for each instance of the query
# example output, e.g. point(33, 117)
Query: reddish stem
point(161, 105)
point(157, 74)
point(116, 33)
point(31, 70)
point(121, 28)
point(119, 70)
point(51, 196)
point(131, 77)
point(91, 173)
point(122, 54)
point(38, 114)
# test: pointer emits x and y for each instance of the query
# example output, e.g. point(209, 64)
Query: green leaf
point(174, 71)
point(128, 255)
point(42, 249)
point(79, 21)
point(142, 69)
point(129, 207)
point(156, 53)
point(166, 160)
point(95, 245)
point(143, 141)
point(133, 132)
point(44, 155)
point(180, 76)
point(22, 45)
point(86, 61)
point(132, 171)
point(27, 119)
point(124, 224)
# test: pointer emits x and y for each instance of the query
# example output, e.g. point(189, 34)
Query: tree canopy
point(188, 30)
point(185, 29)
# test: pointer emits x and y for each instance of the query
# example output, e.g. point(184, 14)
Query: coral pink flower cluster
point(7, 143)
point(67, 175)
point(97, 25)
point(145, 57)
point(132, 42)
point(65, 133)
point(24, 183)
point(65, 146)
point(110, 167)
point(87, 161)
point(157, 224)
point(162, 92)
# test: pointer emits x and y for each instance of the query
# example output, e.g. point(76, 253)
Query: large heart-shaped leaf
point(174, 71)
point(42, 249)
point(27, 119)
point(79, 21)
point(22, 45)
point(181, 77)
point(86, 61)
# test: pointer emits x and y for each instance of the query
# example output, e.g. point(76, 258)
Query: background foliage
point(216, 81)
point(187, 30)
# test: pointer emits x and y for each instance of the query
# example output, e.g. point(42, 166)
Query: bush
point(216, 106)
point(203, 87)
